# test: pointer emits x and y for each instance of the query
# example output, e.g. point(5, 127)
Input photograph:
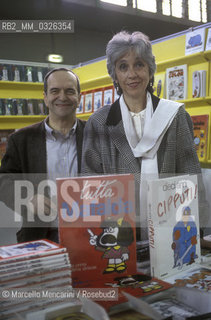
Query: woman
point(139, 133)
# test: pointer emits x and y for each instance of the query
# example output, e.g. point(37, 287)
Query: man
point(51, 147)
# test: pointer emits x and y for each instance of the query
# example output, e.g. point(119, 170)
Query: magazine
point(176, 83)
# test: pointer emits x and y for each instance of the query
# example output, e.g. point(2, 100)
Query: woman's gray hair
point(121, 43)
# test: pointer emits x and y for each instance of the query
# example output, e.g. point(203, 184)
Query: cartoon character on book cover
point(114, 240)
point(184, 239)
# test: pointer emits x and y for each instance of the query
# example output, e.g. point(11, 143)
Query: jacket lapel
point(37, 145)
point(79, 140)
point(117, 134)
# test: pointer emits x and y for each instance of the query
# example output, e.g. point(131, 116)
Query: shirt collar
point(53, 134)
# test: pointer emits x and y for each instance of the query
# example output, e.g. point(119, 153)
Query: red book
point(97, 226)
point(138, 285)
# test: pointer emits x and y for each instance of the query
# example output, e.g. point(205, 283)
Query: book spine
point(151, 231)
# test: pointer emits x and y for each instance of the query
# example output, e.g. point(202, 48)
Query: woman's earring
point(118, 89)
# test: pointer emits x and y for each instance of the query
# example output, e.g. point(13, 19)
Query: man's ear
point(45, 99)
point(79, 99)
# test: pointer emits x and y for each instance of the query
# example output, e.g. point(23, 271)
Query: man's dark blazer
point(26, 154)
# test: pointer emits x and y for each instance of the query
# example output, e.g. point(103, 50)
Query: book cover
point(98, 99)
point(195, 41)
point(173, 224)
point(88, 102)
point(27, 250)
point(200, 129)
point(174, 308)
point(136, 284)
point(97, 225)
point(34, 279)
point(176, 82)
point(33, 262)
point(108, 96)
point(159, 84)
point(199, 83)
point(80, 108)
point(208, 43)
point(197, 277)
point(57, 265)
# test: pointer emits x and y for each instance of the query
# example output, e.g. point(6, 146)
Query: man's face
point(62, 97)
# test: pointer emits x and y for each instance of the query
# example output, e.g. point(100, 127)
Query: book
point(28, 271)
point(176, 82)
point(136, 284)
point(88, 102)
point(108, 96)
point(159, 84)
point(97, 225)
point(80, 108)
point(173, 224)
point(189, 297)
point(196, 277)
point(195, 41)
point(5, 72)
point(199, 84)
point(208, 43)
point(98, 99)
point(32, 262)
point(200, 129)
point(30, 106)
point(35, 278)
point(30, 249)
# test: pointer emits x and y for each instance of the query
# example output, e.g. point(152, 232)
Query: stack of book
point(28, 273)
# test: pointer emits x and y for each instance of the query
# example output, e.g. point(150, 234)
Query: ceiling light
point(55, 58)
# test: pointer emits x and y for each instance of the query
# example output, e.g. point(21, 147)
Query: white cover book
point(108, 97)
point(199, 84)
point(80, 108)
point(208, 43)
point(88, 103)
point(98, 100)
point(176, 82)
point(173, 224)
point(195, 41)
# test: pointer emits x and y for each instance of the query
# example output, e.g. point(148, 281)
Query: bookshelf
point(169, 52)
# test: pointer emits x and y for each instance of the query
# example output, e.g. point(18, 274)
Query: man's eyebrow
point(53, 88)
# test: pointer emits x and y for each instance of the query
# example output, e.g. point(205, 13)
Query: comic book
point(113, 290)
point(27, 250)
point(176, 83)
point(197, 277)
point(31, 267)
point(173, 224)
point(88, 102)
point(200, 129)
point(98, 99)
point(97, 225)
point(160, 85)
point(108, 96)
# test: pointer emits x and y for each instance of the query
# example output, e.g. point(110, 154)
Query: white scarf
point(155, 126)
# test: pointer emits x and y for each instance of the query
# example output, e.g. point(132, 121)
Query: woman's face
point(132, 74)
